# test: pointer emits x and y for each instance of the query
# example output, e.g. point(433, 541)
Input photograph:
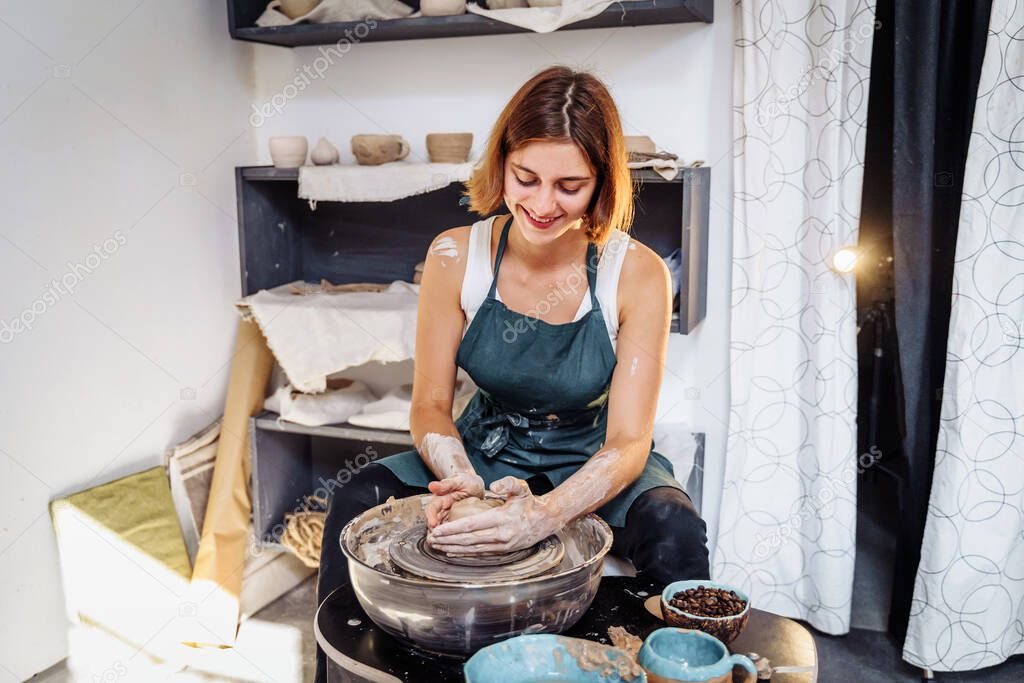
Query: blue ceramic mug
point(677, 655)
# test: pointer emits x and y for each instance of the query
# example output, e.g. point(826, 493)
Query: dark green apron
point(542, 405)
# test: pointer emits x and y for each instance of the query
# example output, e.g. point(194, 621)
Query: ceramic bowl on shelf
point(449, 148)
point(293, 9)
point(640, 143)
point(725, 629)
point(288, 151)
point(442, 8)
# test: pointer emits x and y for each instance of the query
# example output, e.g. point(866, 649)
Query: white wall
point(672, 82)
point(122, 121)
point(119, 121)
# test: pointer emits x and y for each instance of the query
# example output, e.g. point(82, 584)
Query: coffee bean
point(708, 602)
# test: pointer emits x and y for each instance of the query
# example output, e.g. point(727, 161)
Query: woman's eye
point(524, 183)
point(568, 191)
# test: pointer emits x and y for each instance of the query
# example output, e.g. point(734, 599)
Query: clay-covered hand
point(448, 491)
point(521, 522)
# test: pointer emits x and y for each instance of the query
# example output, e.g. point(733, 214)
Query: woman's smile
point(539, 222)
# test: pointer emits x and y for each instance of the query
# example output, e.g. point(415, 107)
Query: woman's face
point(548, 187)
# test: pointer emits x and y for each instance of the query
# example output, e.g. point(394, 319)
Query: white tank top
point(479, 274)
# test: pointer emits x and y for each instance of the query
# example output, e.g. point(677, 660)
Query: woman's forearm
point(600, 479)
point(438, 442)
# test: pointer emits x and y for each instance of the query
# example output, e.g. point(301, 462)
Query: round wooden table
point(359, 651)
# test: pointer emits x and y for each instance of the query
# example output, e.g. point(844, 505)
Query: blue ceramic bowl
point(724, 628)
point(545, 657)
point(675, 654)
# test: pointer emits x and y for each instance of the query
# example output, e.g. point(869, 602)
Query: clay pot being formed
point(324, 154)
point(293, 9)
point(471, 506)
point(373, 150)
point(288, 151)
point(449, 148)
point(442, 8)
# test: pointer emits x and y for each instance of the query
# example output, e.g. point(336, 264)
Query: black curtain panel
point(938, 48)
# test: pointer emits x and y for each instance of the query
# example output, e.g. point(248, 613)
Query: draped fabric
point(788, 512)
point(937, 54)
point(968, 600)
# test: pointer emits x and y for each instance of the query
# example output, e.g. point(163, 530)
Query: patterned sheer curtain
point(788, 513)
point(968, 608)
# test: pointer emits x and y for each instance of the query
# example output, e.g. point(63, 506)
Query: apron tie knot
point(496, 422)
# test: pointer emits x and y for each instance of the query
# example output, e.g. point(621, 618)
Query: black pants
point(664, 537)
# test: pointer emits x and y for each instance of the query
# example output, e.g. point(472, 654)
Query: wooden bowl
point(449, 148)
point(726, 629)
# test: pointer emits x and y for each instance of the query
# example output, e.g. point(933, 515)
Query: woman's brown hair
point(560, 104)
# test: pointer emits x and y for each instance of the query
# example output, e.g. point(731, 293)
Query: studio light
point(844, 259)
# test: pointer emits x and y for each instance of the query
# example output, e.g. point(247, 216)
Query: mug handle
point(403, 149)
point(745, 662)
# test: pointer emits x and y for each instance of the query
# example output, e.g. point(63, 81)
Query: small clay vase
point(449, 148)
point(324, 154)
point(442, 8)
point(288, 151)
point(374, 150)
point(640, 143)
point(293, 9)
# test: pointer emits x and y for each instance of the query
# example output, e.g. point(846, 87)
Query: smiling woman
point(539, 306)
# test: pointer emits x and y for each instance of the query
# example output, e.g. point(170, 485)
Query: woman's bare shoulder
point(446, 259)
point(644, 273)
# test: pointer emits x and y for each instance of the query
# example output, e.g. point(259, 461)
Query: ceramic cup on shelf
point(677, 655)
point(293, 9)
point(288, 151)
point(449, 148)
point(442, 8)
point(373, 150)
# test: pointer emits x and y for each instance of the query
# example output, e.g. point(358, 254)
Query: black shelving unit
point(282, 239)
point(242, 15)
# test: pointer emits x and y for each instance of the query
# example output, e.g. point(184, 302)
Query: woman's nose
point(547, 205)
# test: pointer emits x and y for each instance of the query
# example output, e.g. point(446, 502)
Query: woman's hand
point(450, 490)
point(521, 522)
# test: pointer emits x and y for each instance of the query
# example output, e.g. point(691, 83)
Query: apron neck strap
point(592, 274)
point(591, 264)
point(502, 241)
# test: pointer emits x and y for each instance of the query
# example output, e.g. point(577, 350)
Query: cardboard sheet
point(220, 563)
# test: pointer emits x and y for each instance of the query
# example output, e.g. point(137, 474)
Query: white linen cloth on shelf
point(544, 19)
point(383, 183)
point(316, 334)
point(336, 10)
point(313, 410)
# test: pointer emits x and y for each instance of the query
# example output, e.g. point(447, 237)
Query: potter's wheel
point(410, 552)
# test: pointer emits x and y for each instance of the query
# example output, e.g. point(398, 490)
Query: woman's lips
point(540, 225)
